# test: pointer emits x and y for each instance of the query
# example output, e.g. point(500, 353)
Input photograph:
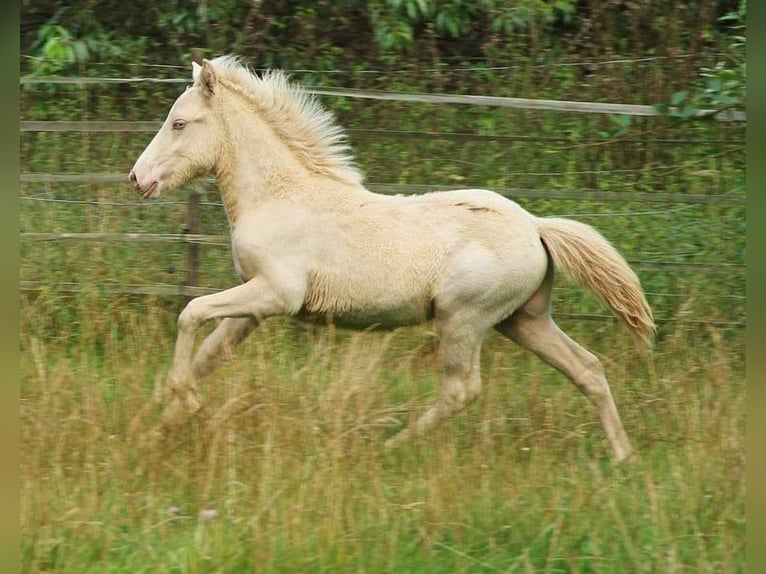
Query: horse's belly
point(370, 316)
point(376, 283)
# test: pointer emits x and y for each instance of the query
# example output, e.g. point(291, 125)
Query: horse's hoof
point(175, 414)
point(192, 404)
point(391, 443)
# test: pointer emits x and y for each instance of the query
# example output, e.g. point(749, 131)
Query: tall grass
point(285, 472)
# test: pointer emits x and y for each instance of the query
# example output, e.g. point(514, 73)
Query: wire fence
point(727, 115)
point(193, 239)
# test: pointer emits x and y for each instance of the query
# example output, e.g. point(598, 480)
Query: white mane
point(308, 129)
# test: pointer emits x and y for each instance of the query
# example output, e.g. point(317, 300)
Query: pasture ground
point(287, 473)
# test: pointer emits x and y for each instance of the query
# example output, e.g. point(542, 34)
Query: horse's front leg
point(182, 384)
point(248, 302)
point(227, 335)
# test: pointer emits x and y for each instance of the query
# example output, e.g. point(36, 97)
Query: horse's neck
point(253, 167)
point(249, 182)
point(256, 166)
point(249, 188)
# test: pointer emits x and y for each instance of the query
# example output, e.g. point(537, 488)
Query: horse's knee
point(173, 415)
point(524, 327)
point(184, 392)
point(592, 379)
point(593, 369)
point(190, 318)
point(473, 388)
point(457, 394)
point(462, 381)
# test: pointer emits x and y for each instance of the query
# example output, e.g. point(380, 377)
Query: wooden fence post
point(192, 217)
point(193, 227)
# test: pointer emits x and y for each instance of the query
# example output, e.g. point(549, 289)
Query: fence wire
point(40, 188)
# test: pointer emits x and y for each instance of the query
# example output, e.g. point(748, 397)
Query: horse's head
point(189, 142)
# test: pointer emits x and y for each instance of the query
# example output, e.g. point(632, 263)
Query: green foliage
point(57, 50)
point(511, 17)
point(726, 82)
point(396, 22)
point(720, 87)
point(620, 126)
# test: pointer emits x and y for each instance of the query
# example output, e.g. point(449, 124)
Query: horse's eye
point(179, 124)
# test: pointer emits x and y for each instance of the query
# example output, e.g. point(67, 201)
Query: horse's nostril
point(132, 177)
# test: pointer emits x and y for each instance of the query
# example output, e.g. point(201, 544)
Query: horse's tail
point(584, 255)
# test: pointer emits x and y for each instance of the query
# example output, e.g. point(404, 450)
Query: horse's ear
point(195, 71)
point(207, 78)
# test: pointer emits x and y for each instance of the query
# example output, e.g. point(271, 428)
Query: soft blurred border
point(756, 332)
point(9, 294)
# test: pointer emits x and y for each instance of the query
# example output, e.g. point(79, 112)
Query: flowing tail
point(584, 255)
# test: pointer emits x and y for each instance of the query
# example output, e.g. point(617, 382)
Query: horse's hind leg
point(461, 350)
point(539, 334)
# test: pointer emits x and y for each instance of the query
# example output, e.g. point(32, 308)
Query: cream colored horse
point(309, 240)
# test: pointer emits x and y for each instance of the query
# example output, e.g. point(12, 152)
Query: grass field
point(287, 473)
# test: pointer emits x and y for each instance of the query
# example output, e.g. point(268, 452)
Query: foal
point(310, 241)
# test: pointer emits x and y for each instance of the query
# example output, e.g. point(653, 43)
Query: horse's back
point(414, 256)
point(397, 260)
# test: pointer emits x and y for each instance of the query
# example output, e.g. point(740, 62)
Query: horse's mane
point(300, 120)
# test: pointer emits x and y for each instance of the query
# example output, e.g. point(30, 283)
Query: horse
point(309, 240)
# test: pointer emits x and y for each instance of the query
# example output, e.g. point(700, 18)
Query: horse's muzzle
point(145, 191)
